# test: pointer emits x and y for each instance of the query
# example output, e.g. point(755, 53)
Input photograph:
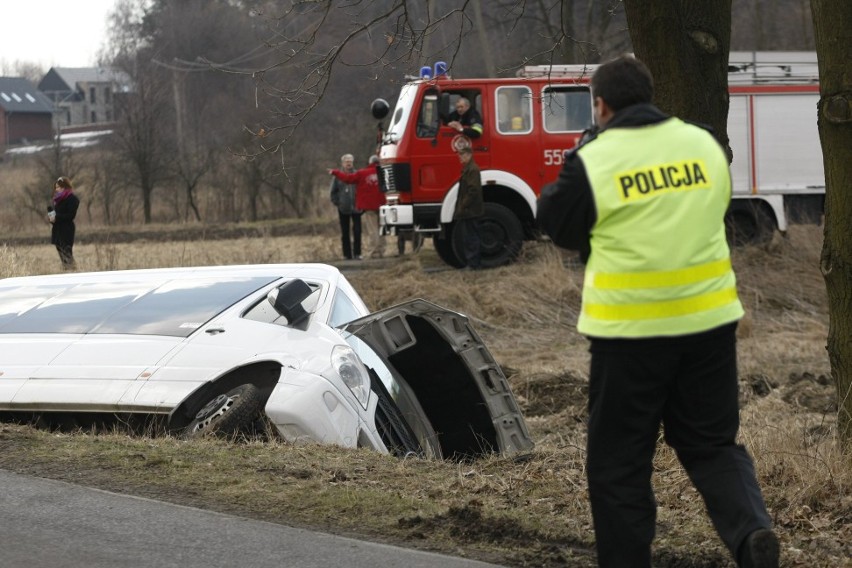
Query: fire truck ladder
point(788, 67)
point(577, 71)
point(744, 67)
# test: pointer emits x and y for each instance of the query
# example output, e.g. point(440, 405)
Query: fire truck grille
point(396, 177)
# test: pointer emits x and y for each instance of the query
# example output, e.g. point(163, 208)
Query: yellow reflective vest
point(660, 263)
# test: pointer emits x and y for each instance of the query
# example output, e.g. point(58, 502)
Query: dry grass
point(530, 512)
point(43, 259)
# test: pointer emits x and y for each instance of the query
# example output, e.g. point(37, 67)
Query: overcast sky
point(52, 33)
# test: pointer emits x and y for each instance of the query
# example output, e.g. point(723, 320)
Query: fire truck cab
point(529, 122)
point(528, 125)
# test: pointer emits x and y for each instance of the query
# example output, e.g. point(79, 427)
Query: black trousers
point(689, 385)
point(351, 247)
point(471, 242)
point(66, 254)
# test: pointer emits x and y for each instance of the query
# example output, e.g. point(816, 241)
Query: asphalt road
point(52, 524)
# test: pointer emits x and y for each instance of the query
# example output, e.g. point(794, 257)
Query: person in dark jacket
point(465, 119)
point(343, 197)
point(469, 208)
point(61, 214)
point(645, 198)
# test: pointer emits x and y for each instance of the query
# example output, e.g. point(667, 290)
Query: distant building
point(84, 96)
point(25, 113)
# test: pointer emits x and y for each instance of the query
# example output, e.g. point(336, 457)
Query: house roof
point(19, 95)
point(68, 78)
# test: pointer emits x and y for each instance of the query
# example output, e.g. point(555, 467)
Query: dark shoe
point(760, 550)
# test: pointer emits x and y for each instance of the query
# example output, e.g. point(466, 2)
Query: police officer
point(645, 198)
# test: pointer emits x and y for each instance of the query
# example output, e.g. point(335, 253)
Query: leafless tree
point(141, 133)
point(781, 25)
point(32, 72)
point(59, 161)
point(108, 191)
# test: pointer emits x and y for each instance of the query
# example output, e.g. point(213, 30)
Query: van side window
point(342, 310)
point(514, 110)
point(567, 109)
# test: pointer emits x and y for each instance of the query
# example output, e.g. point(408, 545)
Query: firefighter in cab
point(465, 119)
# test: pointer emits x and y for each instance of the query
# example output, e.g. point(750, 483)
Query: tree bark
point(833, 34)
point(686, 44)
point(482, 34)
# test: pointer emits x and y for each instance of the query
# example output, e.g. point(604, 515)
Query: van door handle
point(214, 330)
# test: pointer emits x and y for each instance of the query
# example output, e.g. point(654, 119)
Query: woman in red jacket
point(368, 198)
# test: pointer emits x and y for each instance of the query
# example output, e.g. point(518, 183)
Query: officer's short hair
point(622, 82)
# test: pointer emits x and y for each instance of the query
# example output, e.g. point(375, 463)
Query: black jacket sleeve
point(566, 207)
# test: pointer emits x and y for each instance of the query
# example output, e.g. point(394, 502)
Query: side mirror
point(380, 108)
point(287, 300)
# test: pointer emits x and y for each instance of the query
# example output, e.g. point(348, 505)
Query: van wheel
point(501, 233)
point(227, 414)
point(445, 248)
point(749, 223)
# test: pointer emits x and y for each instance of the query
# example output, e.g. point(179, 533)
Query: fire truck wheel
point(749, 223)
point(502, 236)
point(445, 248)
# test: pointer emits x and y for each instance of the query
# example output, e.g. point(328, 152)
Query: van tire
point(227, 414)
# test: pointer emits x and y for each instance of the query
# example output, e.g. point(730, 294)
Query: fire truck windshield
point(399, 120)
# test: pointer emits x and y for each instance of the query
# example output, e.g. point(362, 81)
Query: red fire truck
point(531, 120)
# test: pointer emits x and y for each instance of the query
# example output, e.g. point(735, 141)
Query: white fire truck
point(531, 120)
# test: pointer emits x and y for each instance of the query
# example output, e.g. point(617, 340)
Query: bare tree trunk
point(686, 46)
point(569, 44)
point(487, 55)
point(832, 22)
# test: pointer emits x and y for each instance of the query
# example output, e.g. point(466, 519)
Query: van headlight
point(352, 371)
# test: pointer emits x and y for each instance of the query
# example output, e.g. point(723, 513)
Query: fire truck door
point(439, 166)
